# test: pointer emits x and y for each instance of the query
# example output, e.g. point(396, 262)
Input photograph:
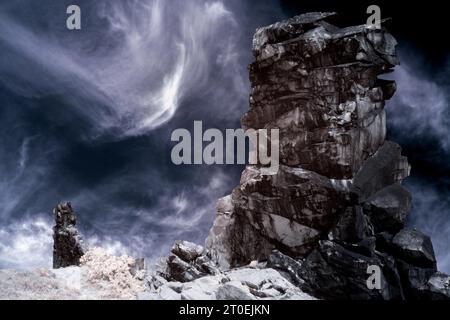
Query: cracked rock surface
point(247, 283)
point(336, 206)
point(68, 245)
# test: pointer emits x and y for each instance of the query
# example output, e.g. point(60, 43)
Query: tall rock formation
point(68, 245)
point(336, 204)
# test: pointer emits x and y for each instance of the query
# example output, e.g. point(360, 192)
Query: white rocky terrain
point(102, 276)
point(247, 283)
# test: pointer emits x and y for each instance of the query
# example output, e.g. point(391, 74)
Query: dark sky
point(87, 116)
point(421, 24)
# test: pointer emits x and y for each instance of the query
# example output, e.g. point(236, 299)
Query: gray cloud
point(420, 107)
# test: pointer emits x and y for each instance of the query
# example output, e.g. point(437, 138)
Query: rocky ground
point(101, 276)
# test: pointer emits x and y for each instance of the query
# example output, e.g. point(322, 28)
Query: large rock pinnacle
point(336, 203)
point(318, 84)
point(68, 244)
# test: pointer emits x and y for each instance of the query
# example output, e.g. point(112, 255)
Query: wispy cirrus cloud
point(134, 65)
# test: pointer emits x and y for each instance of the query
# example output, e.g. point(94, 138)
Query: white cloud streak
point(138, 65)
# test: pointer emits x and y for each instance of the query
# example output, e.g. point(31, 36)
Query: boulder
point(436, 288)
point(187, 251)
point(385, 168)
point(353, 227)
point(289, 211)
point(414, 279)
point(284, 263)
point(187, 262)
point(334, 272)
point(389, 208)
point(415, 248)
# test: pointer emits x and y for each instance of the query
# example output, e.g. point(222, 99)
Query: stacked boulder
point(336, 205)
point(68, 246)
point(186, 262)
